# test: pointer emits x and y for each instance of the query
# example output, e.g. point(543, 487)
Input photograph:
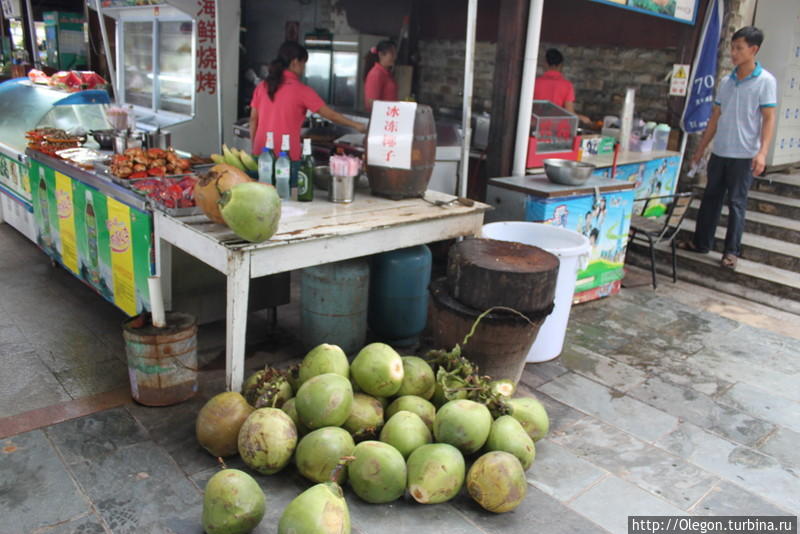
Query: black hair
point(373, 55)
point(553, 57)
point(289, 51)
point(752, 35)
point(595, 233)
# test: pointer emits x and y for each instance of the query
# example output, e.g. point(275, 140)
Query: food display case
point(554, 134)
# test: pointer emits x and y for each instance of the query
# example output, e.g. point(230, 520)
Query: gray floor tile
point(650, 468)
point(561, 416)
point(138, 489)
point(752, 469)
point(595, 337)
point(610, 502)
point(35, 488)
point(560, 473)
point(730, 499)
point(601, 368)
point(536, 374)
point(760, 347)
point(702, 410)
point(95, 436)
point(407, 517)
point(89, 380)
point(12, 340)
point(612, 407)
point(763, 404)
point(89, 524)
point(783, 446)
point(62, 349)
point(538, 513)
point(26, 384)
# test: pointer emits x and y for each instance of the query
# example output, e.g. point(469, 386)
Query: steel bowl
point(567, 172)
point(322, 177)
point(104, 138)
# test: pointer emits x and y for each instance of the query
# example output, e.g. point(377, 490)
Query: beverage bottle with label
point(283, 170)
point(44, 207)
point(266, 162)
point(305, 176)
point(91, 238)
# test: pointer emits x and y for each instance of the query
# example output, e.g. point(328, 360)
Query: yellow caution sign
point(681, 72)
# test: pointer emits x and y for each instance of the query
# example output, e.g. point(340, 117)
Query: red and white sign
point(206, 68)
point(680, 80)
point(391, 134)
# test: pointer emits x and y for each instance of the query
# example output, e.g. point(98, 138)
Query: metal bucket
point(405, 183)
point(501, 341)
point(162, 362)
point(333, 304)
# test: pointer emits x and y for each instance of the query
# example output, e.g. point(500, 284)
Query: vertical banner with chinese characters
point(391, 134)
point(206, 71)
point(119, 235)
point(66, 222)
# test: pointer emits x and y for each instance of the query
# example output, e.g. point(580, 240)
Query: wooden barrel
point(482, 273)
point(406, 183)
point(501, 341)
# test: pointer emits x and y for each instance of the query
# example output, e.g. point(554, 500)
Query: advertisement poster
point(102, 241)
point(653, 178)
point(14, 177)
point(679, 10)
point(605, 220)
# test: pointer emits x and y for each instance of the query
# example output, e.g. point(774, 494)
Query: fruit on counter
point(378, 370)
point(152, 161)
point(321, 509)
point(319, 452)
point(216, 181)
point(324, 358)
point(252, 210)
point(508, 435)
point(435, 473)
point(267, 387)
point(406, 432)
point(366, 417)
point(464, 424)
point(532, 415)
point(291, 410)
point(418, 378)
point(423, 408)
point(497, 482)
point(218, 423)
point(233, 503)
point(378, 473)
point(267, 440)
point(324, 400)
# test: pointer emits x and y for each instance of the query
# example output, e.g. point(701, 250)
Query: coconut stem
point(221, 463)
point(487, 312)
point(343, 461)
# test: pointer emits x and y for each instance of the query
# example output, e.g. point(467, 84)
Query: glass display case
point(553, 127)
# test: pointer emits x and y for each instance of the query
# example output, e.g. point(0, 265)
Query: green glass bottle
point(305, 176)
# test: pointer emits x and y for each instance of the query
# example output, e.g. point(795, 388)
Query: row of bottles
point(277, 170)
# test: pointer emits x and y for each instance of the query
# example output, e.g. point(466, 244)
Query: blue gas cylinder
point(333, 303)
point(398, 295)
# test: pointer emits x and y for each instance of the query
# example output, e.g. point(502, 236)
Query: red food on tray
point(68, 80)
point(37, 76)
point(92, 80)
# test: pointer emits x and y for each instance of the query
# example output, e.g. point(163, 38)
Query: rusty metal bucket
point(162, 362)
point(501, 341)
point(406, 183)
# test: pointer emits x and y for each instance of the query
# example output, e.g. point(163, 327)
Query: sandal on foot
point(690, 246)
point(729, 261)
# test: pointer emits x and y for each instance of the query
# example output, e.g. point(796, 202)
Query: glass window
point(176, 67)
point(138, 50)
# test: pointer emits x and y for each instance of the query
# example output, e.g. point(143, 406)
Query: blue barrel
point(333, 303)
point(398, 298)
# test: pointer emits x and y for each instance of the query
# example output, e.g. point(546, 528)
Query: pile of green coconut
point(386, 425)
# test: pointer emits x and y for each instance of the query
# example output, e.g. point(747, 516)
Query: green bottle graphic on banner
point(91, 239)
point(44, 207)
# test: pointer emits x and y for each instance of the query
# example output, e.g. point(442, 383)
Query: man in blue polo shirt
point(742, 125)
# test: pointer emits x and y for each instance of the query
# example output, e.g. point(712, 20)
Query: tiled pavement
point(658, 406)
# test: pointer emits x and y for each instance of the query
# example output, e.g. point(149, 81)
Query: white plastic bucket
point(572, 250)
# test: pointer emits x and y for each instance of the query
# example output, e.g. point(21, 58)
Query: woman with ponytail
point(280, 103)
point(379, 83)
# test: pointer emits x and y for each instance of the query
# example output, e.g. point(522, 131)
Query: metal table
point(309, 234)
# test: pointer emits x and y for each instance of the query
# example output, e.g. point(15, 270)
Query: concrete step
point(761, 283)
point(781, 184)
point(759, 223)
point(768, 203)
point(756, 248)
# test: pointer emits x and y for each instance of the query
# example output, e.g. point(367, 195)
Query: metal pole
point(37, 62)
point(466, 112)
point(112, 73)
point(220, 126)
point(526, 91)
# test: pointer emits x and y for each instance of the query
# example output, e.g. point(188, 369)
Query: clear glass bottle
point(283, 170)
point(305, 176)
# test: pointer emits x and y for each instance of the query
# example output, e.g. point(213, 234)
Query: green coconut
point(418, 378)
point(218, 423)
point(320, 509)
point(435, 473)
point(233, 503)
point(508, 435)
point(318, 453)
point(465, 424)
point(532, 416)
point(366, 417)
point(378, 370)
point(323, 359)
point(324, 400)
point(267, 440)
point(378, 473)
point(406, 432)
point(497, 482)
point(414, 404)
point(252, 210)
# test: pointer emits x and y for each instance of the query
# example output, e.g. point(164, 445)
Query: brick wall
point(441, 74)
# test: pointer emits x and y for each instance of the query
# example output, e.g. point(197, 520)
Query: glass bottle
point(283, 170)
point(305, 176)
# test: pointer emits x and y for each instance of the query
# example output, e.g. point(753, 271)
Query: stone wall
point(441, 74)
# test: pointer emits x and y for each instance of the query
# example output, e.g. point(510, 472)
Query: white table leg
point(163, 263)
point(236, 328)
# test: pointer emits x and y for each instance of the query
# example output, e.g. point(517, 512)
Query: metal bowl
point(104, 138)
point(322, 177)
point(567, 172)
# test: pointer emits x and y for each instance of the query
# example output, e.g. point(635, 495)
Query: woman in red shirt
point(280, 103)
point(379, 83)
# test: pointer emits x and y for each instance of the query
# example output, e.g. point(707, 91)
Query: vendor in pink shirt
point(379, 83)
point(280, 102)
point(554, 87)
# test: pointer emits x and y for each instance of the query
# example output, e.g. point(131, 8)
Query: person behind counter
point(554, 87)
point(379, 83)
point(280, 103)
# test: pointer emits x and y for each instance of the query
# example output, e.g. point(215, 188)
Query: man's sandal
point(690, 246)
point(729, 261)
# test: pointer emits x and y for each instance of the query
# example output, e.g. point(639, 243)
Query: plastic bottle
point(661, 137)
point(305, 176)
point(266, 162)
point(283, 170)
